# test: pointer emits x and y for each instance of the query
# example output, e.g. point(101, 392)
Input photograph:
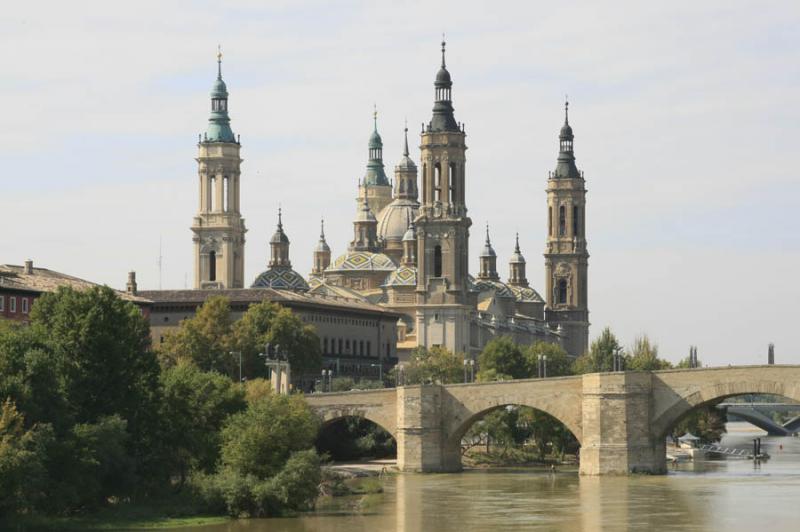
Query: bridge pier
point(617, 436)
point(421, 441)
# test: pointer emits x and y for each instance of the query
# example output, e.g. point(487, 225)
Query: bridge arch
point(329, 417)
point(669, 411)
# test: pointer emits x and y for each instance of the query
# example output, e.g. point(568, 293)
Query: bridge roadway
point(620, 419)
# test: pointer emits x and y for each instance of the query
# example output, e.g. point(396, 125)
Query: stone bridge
point(620, 419)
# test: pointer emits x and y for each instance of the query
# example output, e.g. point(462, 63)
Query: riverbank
point(137, 519)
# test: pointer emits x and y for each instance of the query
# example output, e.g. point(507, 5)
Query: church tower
point(218, 226)
point(443, 309)
point(375, 186)
point(566, 258)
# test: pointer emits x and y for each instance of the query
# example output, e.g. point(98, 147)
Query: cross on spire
point(405, 149)
point(566, 109)
point(219, 61)
point(443, 46)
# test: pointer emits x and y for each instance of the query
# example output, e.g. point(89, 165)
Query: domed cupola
point(393, 220)
point(488, 260)
point(375, 175)
point(565, 168)
point(516, 267)
point(365, 234)
point(322, 252)
point(443, 118)
point(219, 123)
point(280, 273)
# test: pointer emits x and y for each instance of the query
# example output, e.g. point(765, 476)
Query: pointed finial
point(443, 45)
point(280, 217)
point(516, 245)
point(566, 109)
point(375, 115)
point(219, 61)
point(487, 233)
point(405, 149)
point(322, 229)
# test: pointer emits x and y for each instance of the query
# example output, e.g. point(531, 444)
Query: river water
point(729, 495)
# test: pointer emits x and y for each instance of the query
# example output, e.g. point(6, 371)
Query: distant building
point(410, 248)
point(20, 286)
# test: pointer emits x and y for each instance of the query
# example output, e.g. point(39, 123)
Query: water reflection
point(725, 495)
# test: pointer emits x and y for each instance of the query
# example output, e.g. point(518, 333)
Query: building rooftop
point(41, 280)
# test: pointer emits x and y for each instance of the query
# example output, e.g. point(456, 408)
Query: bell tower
point(566, 258)
point(443, 310)
point(218, 226)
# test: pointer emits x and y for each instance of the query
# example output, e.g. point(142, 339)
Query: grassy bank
point(108, 522)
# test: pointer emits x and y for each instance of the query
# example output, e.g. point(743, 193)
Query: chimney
point(131, 287)
point(29, 267)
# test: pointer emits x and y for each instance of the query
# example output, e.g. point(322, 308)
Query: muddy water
point(729, 495)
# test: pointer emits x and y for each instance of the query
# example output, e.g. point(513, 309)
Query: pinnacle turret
point(219, 123)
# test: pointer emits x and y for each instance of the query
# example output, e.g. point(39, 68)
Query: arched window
point(437, 182)
point(212, 193)
point(424, 187)
point(212, 266)
point(225, 192)
point(562, 221)
point(550, 221)
point(437, 261)
point(562, 291)
point(576, 221)
point(452, 182)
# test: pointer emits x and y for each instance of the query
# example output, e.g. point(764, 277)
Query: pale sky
point(686, 117)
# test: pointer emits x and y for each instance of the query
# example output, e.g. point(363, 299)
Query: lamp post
point(466, 362)
point(471, 370)
point(401, 375)
point(240, 364)
point(544, 366)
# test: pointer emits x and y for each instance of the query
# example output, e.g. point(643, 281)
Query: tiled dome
point(526, 294)
point(284, 278)
point(498, 287)
point(362, 260)
point(402, 276)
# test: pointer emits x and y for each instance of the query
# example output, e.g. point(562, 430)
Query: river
point(729, 495)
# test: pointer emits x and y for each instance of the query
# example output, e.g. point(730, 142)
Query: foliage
point(214, 342)
point(353, 437)
point(559, 363)
point(23, 475)
point(259, 440)
point(502, 356)
point(256, 389)
point(600, 356)
point(434, 365)
point(196, 403)
point(706, 422)
point(686, 363)
point(643, 356)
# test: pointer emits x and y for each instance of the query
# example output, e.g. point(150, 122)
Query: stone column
point(616, 425)
point(419, 429)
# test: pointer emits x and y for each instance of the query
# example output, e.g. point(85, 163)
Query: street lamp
point(466, 363)
point(327, 380)
point(240, 364)
point(469, 363)
point(401, 381)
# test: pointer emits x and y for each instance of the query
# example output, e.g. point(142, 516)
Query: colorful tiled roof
point(284, 278)
point(362, 260)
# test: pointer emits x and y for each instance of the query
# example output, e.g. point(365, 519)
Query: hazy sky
point(686, 118)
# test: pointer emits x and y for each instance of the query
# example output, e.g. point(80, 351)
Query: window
point(562, 291)
point(212, 266)
point(325, 346)
point(340, 346)
point(369, 348)
point(562, 221)
point(576, 221)
point(212, 193)
point(550, 221)
point(424, 188)
point(437, 182)
point(437, 261)
point(12, 305)
point(361, 348)
point(2, 303)
point(452, 182)
point(24, 305)
point(225, 198)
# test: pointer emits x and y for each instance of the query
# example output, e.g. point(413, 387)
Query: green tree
point(205, 339)
point(23, 472)
point(196, 404)
point(600, 356)
point(298, 340)
point(434, 365)
point(559, 363)
point(502, 357)
point(259, 440)
point(706, 422)
point(643, 356)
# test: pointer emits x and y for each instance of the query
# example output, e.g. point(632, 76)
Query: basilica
point(409, 253)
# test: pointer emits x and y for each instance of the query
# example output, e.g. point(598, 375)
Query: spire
point(488, 250)
point(375, 172)
point(405, 136)
point(566, 157)
point(219, 123)
point(516, 244)
point(488, 260)
point(322, 245)
point(322, 229)
point(443, 118)
point(279, 245)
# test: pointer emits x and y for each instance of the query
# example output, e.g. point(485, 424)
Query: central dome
point(284, 278)
point(393, 220)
